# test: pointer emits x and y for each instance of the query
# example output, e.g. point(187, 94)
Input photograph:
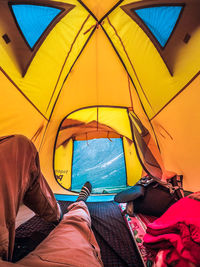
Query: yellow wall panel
point(18, 115)
point(133, 166)
point(63, 164)
point(85, 114)
point(117, 119)
point(177, 128)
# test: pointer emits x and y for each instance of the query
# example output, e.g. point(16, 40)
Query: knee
point(23, 141)
point(76, 219)
point(23, 146)
point(17, 140)
point(78, 211)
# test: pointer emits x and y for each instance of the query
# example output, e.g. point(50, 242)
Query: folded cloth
point(195, 195)
point(165, 258)
point(178, 229)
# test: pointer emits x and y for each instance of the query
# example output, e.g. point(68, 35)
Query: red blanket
point(177, 231)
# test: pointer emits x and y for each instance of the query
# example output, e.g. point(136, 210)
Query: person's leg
point(21, 180)
point(71, 243)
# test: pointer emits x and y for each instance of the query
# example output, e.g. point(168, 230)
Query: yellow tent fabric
point(98, 53)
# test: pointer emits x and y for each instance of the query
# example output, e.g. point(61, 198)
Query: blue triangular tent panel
point(33, 20)
point(160, 20)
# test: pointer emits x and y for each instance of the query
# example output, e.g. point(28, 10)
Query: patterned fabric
point(137, 226)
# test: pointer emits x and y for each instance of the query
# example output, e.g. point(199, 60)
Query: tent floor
point(117, 246)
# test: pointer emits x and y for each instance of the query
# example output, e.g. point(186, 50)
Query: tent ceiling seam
point(129, 87)
point(7, 76)
point(129, 61)
point(66, 60)
point(176, 95)
point(69, 73)
point(132, 83)
point(111, 10)
point(126, 71)
point(62, 87)
point(137, 80)
point(89, 11)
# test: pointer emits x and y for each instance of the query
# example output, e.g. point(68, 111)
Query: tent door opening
point(100, 161)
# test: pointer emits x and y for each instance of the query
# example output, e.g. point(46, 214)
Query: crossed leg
point(71, 243)
point(21, 180)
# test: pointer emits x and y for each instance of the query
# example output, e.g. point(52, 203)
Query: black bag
point(151, 196)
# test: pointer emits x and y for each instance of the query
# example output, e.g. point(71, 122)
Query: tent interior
point(107, 90)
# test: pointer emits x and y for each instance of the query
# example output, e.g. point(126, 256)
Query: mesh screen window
point(101, 162)
point(160, 20)
point(33, 20)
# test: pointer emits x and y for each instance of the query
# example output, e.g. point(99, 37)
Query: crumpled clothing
point(166, 258)
point(177, 231)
